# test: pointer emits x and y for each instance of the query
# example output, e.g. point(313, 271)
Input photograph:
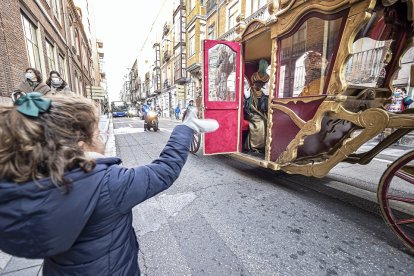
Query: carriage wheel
point(396, 198)
point(195, 145)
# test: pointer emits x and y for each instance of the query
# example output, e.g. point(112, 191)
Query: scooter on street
point(151, 121)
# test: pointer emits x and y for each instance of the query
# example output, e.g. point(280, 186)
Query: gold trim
point(255, 28)
point(298, 99)
point(292, 115)
point(407, 46)
point(272, 86)
point(286, 21)
point(250, 159)
point(359, 15)
point(310, 127)
point(373, 121)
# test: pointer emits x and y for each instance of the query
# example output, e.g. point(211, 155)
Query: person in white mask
point(57, 84)
point(32, 82)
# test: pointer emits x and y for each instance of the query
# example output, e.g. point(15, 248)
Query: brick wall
point(13, 57)
point(13, 53)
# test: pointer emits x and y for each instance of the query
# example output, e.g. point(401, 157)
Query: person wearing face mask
point(32, 82)
point(57, 84)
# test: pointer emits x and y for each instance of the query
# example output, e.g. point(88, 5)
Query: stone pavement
point(13, 266)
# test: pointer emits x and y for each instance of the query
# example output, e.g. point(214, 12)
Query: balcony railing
point(261, 14)
point(229, 35)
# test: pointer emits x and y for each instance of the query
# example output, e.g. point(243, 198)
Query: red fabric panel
point(245, 125)
point(249, 69)
point(284, 130)
point(225, 138)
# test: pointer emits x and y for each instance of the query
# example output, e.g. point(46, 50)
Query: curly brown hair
point(47, 146)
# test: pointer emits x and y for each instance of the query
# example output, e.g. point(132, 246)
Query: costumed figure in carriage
point(255, 109)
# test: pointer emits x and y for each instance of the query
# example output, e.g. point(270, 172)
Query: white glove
point(199, 125)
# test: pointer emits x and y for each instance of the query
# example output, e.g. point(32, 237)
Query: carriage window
point(366, 67)
point(222, 74)
point(371, 52)
point(305, 57)
point(404, 78)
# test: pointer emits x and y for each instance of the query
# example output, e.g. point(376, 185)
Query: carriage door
point(222, 95)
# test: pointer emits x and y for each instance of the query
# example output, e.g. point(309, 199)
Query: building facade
point(180, 42)
point(46, 35)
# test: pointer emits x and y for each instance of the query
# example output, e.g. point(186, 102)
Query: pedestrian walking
point(62, 200)
point(177, 112)
point(33, 81)
point(57, 84)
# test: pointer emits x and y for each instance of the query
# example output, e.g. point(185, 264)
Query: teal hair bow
point(33, 103)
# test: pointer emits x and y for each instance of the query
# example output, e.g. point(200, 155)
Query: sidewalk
point(13, 266)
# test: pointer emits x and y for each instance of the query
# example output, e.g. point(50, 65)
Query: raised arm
point(129, 187)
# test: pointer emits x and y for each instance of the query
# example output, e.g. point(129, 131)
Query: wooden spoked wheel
point(396, 198)
point(195, 145)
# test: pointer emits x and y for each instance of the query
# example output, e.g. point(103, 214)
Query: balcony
point(230, 35)
point(261, 14)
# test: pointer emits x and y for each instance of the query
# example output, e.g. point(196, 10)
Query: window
point(212, 31)
point(76, 42)
point(306, 57)
point(76, 88)
point(85, 58)
point(192, 4)
point(50, 53)
point(61, 64)
point(32, 45)
point(257, 4)
point(202, 33)
point(177, 28)
point(56, 9)
point(233, 13)
point(191, 42)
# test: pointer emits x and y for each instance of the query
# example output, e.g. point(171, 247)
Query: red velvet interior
point(284, 129)
point(249, 69)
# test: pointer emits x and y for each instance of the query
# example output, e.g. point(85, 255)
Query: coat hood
point(38, 220)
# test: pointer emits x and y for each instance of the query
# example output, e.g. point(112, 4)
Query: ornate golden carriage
point(334, 65)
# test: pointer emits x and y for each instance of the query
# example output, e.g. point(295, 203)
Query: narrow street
point(224, 217)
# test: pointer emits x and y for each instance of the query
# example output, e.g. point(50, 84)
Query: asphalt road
point(224, 217)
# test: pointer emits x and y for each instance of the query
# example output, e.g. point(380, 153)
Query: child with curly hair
point(62, 200)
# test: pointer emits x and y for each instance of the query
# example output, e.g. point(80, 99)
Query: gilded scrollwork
point(253, 26)
point(372, 121)
point(308, 128)
point(273, 6)
point(409, 44)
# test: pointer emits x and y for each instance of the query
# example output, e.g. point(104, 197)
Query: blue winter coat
point(88, 231)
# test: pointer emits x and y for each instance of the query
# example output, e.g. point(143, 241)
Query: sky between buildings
point(124, 26)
